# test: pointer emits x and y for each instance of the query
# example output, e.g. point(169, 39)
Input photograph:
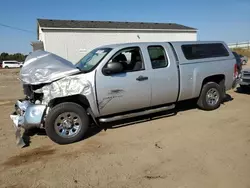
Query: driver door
point(125, 91)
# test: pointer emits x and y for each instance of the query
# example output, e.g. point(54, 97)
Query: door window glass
point(157, 57)
point(130, 58)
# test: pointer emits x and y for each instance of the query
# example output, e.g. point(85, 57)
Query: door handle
point(142, 78)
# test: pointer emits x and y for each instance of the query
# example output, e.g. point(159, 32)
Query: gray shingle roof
point(109, 24)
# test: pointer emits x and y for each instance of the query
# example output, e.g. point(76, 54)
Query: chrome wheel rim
point(68, 124)
point(212, 96)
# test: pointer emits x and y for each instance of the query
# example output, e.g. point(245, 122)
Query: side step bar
point(131, 115)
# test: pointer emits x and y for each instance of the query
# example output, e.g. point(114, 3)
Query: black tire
point(7, 67)
point(56, 112)
point(202, 101)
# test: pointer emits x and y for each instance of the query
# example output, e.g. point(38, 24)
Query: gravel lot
point(193, 149)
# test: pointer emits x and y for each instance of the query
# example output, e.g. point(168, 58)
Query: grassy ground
point(244, 52)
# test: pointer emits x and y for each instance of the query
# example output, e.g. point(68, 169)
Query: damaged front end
point(27, 115)
point(43, 77)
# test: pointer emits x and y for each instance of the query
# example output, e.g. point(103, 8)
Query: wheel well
point(219, 79)
point(79, 99)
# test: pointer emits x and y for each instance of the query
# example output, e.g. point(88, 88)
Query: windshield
point(91, 60)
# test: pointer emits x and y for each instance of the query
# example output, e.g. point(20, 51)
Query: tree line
point(17, 56)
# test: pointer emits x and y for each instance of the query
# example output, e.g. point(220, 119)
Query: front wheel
point(211, 96)
point(67, 123)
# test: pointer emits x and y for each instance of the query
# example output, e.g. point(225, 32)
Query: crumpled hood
point(45, 67)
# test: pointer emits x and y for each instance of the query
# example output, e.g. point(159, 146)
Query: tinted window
point(131, 59)
point(157, 57)
point(200, 51)
point(10, 62)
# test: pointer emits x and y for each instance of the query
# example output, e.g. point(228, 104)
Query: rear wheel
point(67, 123)
point(211, 96)
point(6, 67)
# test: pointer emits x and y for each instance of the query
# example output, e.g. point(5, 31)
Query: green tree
point(17, 56)
point(4, 56)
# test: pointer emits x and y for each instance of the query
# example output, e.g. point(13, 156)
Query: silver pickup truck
point(120, 81)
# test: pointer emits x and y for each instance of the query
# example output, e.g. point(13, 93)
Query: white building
point(72, 39)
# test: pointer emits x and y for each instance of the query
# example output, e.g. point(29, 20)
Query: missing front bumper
point(27, 115)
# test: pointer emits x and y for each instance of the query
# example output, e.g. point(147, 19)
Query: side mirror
point(113, 68)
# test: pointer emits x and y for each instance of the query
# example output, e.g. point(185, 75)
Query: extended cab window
point(130, 58)
point(200, 51)
point(157, 56)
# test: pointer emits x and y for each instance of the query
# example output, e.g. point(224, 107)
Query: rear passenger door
point(164, 74)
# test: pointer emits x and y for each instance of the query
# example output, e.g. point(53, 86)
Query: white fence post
point(245, 45)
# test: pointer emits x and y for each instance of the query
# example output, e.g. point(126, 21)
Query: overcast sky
point(227, 20)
